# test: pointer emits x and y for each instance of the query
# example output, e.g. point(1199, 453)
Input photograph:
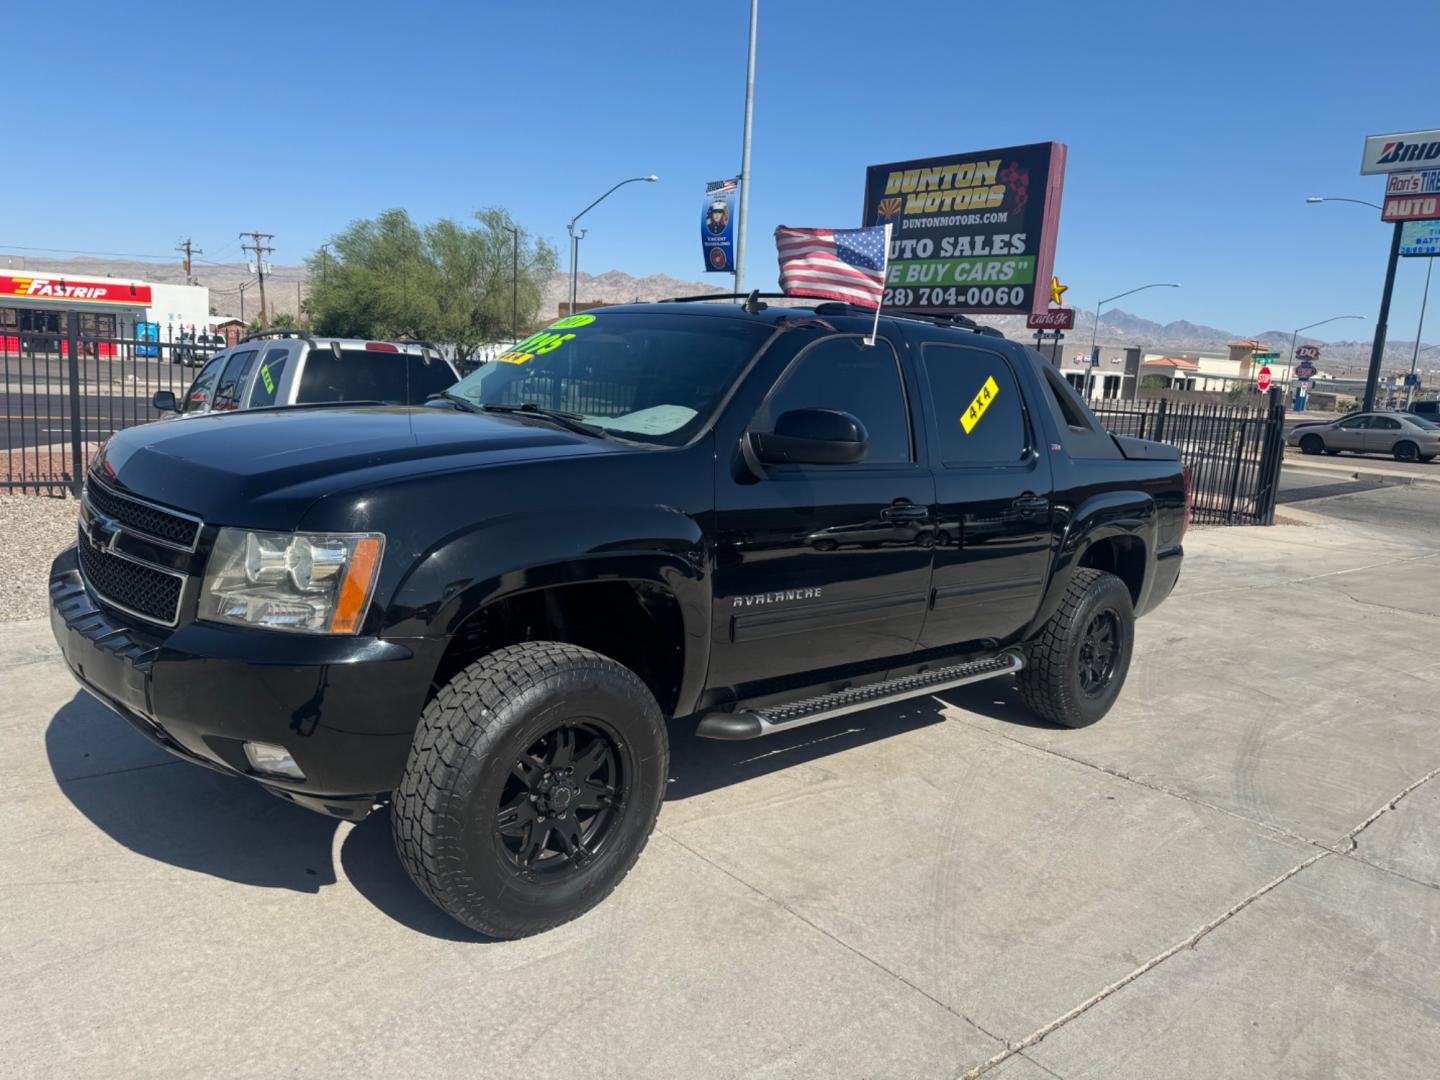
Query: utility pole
point(186, 247)
point(324, 261)
point(515, 282)
point(1377, 349)
point(298, 303)
point(260, 249)
point(744, 222)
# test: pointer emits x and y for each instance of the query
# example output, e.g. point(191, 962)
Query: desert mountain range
point(286, 284)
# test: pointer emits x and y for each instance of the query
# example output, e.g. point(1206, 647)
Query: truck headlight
point(317, 583)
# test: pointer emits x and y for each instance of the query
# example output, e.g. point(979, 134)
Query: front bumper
point(345, 708)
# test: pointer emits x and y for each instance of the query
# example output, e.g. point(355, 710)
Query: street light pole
point(1295, 337)
point(1095, 330)
point(575, 240)
point(1377, 348)
point(745, 155)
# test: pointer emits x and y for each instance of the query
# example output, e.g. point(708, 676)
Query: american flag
point(834, 264)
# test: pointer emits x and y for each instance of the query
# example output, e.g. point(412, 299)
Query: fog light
point(275, 760)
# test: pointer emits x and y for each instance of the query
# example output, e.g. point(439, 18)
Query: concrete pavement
point(1235, 873)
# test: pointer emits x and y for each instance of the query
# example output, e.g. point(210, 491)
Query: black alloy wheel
point(562, 800)
point(1098, 651)
point(1312, 444)
point(1406, 451)
point(1076, 666)
point(534, 780)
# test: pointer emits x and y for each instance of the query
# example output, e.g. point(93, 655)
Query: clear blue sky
point(1195, 132)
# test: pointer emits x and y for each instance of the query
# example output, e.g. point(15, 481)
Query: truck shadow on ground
point(192, 818)
point(229, 828)
point(699, 766)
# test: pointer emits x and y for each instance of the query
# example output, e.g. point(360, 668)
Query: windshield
point(1424, 422)
point(638, 375)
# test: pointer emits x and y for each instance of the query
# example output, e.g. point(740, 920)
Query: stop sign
point(1262, 381)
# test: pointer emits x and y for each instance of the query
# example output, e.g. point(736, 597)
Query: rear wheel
point(533, 784)
point(1078, 664)
point(1406, 451)
point(1312, 444)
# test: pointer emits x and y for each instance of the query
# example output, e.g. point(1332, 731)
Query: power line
point(80, 251)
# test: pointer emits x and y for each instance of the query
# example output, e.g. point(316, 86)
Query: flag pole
point(884, 271)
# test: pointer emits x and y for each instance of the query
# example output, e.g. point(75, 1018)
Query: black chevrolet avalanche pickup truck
point(485, 610)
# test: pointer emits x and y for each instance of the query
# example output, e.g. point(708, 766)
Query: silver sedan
point(1404, 436)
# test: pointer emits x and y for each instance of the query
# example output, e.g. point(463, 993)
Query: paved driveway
point(1236, 873)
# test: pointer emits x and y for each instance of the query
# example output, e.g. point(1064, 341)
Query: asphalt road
point(1409, 509)
point(1366, 462)
point(41, 418)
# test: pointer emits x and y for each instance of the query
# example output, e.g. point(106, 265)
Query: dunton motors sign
point(63, 290)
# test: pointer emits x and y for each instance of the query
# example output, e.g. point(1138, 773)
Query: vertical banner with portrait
point(717, 225)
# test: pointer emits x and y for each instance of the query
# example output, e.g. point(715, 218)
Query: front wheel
point(532, 786)
point(1078, 664)
point(1312, 444)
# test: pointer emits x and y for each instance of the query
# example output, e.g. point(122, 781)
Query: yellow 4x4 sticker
point(971, 416)
point(543, 342)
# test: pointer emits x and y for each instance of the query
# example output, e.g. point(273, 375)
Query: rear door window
point(267, 379)
point(363, 375)
point(977, 405)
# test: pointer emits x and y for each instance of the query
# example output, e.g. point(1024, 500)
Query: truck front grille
point(131, 586)
point(143, 518)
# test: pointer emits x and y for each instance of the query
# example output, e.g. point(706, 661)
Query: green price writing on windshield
point(545, 341)
point(533, 346)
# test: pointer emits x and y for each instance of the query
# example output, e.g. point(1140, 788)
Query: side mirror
point(164, 400)
point(811, 437)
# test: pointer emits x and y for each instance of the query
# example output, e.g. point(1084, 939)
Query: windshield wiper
point(465, 404)
point(568, 420)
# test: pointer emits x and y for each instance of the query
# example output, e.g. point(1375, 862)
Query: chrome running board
point(769, 719)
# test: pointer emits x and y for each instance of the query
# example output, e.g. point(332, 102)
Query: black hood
point(262, 468)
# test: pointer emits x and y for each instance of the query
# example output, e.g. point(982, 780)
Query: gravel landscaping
point(33, 529)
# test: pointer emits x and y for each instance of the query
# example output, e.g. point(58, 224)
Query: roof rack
point(840, 307)
point(259, 334)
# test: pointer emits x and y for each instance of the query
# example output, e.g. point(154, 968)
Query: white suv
point(287, 367)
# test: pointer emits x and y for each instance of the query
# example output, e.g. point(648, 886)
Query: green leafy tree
point(449, 282)
point(280, 320)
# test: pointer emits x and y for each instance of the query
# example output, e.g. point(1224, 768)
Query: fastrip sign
point(63, 289)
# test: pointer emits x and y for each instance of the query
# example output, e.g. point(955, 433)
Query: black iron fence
point(64, 393)
point(1234, 452)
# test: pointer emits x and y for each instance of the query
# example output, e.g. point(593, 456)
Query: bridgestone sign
point(1408, 151)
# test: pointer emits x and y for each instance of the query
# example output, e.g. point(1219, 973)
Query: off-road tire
point(1050, 683)
point(1406, 451)
point(443, 814)
point(1311, 444)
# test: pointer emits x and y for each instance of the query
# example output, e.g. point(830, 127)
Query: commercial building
point(38, 302)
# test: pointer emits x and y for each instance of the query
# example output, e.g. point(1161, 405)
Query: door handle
point(1028, 504)
point(905, 512)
